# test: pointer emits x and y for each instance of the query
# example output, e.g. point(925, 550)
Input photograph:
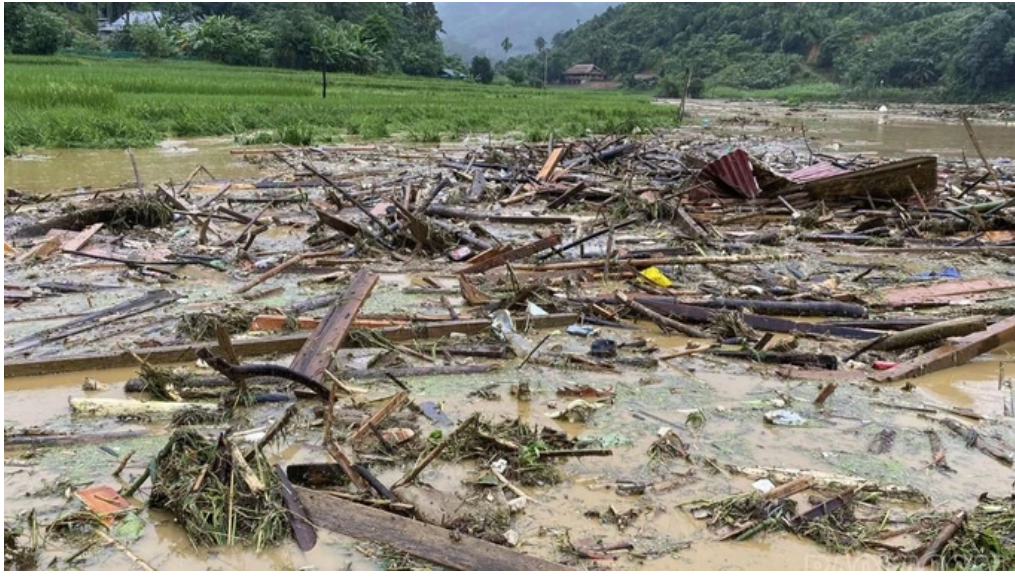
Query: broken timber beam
point(426, 541)
point(954, 354)
point(551, 163)
point(260, 346)
point(315, 355)
point(566, 197)
point(512, 255)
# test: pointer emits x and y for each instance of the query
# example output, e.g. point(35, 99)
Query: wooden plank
point(551, 163)
point(81, 238)
point(512, 255)
point(566, 197)
point(257, 347)
point(337, 224)
point(41, 251)
point(426, 541)
point(943, 292)
point(954, 354)
point(315, 355)
point(393, 405)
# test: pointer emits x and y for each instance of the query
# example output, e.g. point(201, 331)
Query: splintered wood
point(316, 354)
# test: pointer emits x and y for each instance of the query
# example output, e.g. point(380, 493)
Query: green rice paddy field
point(65, 101)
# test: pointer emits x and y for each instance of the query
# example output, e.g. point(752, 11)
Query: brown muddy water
point(67, 170)
point(732, 396)
point(853, 131)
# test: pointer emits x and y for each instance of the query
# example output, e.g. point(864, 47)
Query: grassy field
point(78, 102)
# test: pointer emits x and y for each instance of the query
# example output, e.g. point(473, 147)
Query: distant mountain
point(478, 28)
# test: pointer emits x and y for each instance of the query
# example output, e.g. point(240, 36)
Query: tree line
point(357, 37)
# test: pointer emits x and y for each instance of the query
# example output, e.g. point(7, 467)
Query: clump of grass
point(200, 483)
point(143, 210)
point(21, 552)
point(730, 324)
point(200, 326)
point(425, 134)
point(199, 416)
point(490, 524)
point(373, 129)
point(668, 446)
point(299, 134)
point(985, 542)
point(160, 383)
point(516, 443)
point(258, 138)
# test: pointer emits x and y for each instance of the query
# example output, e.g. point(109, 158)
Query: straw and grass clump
point(206, 488)
point(201, 326)
point(985, 542)
point(516, 443)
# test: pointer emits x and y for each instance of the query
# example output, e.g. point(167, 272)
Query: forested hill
point(473, 28)
point(962, 48)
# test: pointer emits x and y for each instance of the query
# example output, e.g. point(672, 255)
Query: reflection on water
point(52, 170)
point(910, 138)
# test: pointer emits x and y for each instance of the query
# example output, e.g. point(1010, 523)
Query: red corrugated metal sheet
point(814, 172)
point(735, 170)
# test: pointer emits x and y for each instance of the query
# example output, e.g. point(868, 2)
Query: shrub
point(152, 41)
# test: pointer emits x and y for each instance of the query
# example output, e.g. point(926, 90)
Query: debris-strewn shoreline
point(660, 341)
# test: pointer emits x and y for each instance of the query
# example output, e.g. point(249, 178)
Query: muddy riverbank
point(677, 410)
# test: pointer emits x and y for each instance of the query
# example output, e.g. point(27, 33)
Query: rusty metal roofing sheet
point(736, 171)
point(814, 172)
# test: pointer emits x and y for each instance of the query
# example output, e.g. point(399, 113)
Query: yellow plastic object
point(656, 276)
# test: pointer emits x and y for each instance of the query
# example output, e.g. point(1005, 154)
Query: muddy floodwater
point(837, 130)
point(900, 132)
point(719, 406)
point(70, 170)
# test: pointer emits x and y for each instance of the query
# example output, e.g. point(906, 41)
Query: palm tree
point(506, 45)
point(541, 48)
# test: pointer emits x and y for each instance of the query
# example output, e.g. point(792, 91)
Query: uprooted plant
point(219, 496)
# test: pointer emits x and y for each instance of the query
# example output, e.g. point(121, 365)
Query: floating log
point(795, 308)
point(819, 360)
point(426, 541)
point(931, 333)
point(954, 354)
point(670, 306)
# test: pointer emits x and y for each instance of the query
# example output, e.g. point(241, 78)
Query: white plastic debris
point(763, 486)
